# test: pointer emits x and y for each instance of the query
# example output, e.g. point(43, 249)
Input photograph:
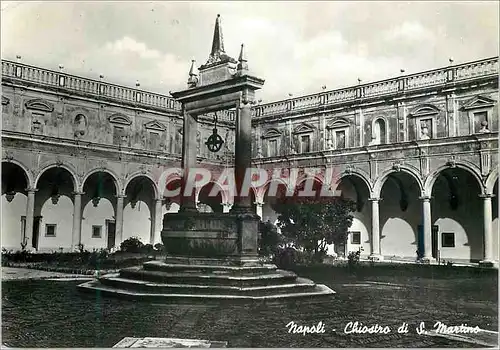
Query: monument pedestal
point(209, 256)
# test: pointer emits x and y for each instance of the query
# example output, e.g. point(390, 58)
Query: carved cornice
point(424, 110)
point(155, 125)
point(120, 119)
point(478, 102)
point(39, 104)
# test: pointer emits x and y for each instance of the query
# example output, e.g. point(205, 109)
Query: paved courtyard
point(71, 319)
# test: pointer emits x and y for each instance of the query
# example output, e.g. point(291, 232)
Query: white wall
point(96, 216)
point(137, 221)
point(11, 221)
point(60, 214)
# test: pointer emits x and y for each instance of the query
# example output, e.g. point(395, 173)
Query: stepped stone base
point(195, 279)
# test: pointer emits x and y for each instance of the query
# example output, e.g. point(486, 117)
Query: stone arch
point(261, 191)
point(118, 185)
point(491, 180)
point(72, 172)
point(359, 173)
point(29, 178)
point(470, 168)
point(138, 174)
point(408, 169)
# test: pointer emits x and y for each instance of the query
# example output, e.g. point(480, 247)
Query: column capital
point(486, 195)
point(81, 193)
point(375, 199)
point(31, 189)
point(121, 196)
point(258, 203)
point(227, 204)
point(425, 198)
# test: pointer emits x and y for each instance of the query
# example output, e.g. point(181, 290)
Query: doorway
point(111, 233)
point(36, 231)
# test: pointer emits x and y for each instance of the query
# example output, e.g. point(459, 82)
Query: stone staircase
point(163, 281)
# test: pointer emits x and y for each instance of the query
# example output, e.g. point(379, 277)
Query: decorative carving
point(478, 102)
point(424, 131)
point(303, 128)
point(271, 133)
point(451, 162)
point(80, 125)
point(95, 201)
point(39, 105)
point(155, 125)
point(5, 101)
point(120, 119)
point(36, 126)
point(397, 166)
point(424, 110)
point(338, 123)
point(349, 169)
point(484, 127)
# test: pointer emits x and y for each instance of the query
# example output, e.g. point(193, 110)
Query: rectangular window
point(479, 118)
point(273, 148)
point(355, 237)
point(305, 143)
point(448, 240)
point(96, 231)
point(154, 140)
point(340, 139)
point(50, 230)
point(117, 135)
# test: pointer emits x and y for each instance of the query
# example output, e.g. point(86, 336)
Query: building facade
point(82, 159)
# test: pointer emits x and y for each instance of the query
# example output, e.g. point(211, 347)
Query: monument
point(212, 255)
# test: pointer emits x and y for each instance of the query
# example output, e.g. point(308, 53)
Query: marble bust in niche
point(80, 125)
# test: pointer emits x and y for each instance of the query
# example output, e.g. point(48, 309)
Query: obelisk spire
point(218, 41)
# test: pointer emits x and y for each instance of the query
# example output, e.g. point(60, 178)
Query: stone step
point(219, 269)
point(299, 285)
point(183, 277)
point(96, 286)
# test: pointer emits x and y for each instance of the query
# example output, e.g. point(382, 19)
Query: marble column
point(488, 229)
point(119, 220)
point(30, 214)
point(189, 151)
point(427, 228)
point(76, 237)
point(243, 156)
point(375, 239)
point(157, 222)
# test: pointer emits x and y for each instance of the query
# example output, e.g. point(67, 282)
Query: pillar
point(76, 237)
point(30, 213)
point(243, 156)
point(375, 239)
point(258, 209)
point(157, 222)
point(488, 229)
point(119, 220)
point(427, 228)
point(189, 153)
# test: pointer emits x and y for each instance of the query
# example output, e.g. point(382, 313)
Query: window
point(273, 148)
point(50, 230)
point(154, 138)
point(96, 231)
point(479, 119)
point(340, 139)
point(305, 143)
point(448, 240)
point(118, 132)
point(355, 237)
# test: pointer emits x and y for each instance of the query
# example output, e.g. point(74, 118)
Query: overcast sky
point(297, 47)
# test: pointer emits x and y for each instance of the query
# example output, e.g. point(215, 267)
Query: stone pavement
point(129, 342)
point(15, 273)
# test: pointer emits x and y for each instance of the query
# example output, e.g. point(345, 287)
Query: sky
point(297, 47)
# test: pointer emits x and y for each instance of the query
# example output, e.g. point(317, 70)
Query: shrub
point(131, 245)
point(148, 249)
point(160, 248)
point(269, 238)
point(353, 258)
point(286, 258)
